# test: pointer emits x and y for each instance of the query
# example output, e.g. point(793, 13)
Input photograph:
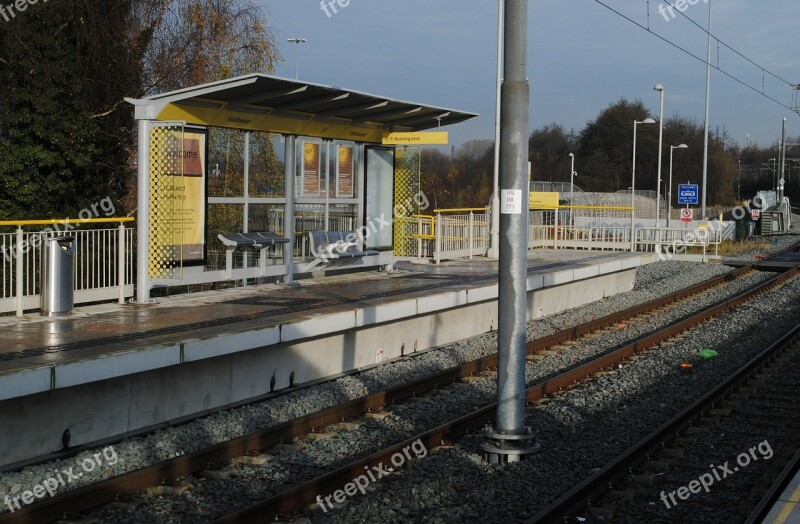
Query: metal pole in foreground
point(495, 233)
point(512, 440)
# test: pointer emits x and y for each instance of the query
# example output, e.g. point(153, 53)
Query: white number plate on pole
point(510, 202)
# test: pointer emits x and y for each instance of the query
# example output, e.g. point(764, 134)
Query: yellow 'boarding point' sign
point(409, 139)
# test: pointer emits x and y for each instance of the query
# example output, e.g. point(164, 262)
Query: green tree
point(63, 65)
point(609, 140)
point(549, 149)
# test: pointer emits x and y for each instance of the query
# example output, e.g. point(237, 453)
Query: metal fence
point(103, 268)
point(610, 229)
point(450, 233)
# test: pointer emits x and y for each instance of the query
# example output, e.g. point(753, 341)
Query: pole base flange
point(505, 448)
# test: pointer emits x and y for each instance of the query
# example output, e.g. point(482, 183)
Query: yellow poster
point(311, 169)
point(344, 172)
point(178, 196)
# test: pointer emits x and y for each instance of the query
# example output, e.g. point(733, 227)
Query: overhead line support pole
point(511, 440)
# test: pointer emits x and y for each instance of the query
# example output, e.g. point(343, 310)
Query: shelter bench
point(260, 240)
point(335, 248)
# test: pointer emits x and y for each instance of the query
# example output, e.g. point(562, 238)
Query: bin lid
point(59, 239)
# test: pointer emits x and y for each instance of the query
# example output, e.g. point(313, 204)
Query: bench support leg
point(262, 260)
point(229, 262)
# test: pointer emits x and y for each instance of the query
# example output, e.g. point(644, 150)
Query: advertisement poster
point(180, 197)
point(311, 169)
point(344, 172)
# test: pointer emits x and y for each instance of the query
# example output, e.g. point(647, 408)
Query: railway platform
point(787, 509)
point(110, 369)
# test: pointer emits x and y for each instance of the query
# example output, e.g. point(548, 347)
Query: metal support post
point(660, 90)
point(511, 440)
point(143, 215)
point(290, 156)
point(121, 262)
point(708, 104)
point(471, 229)
point(19, 275)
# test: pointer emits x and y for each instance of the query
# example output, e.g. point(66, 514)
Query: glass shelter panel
point(267, 157)
point(222, 218)
point(379, 197)
point(226, 162)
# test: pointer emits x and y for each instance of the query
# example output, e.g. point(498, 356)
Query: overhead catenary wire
point(720, 42)
point(703, 60)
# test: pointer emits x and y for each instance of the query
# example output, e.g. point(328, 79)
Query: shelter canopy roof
point(259, 102)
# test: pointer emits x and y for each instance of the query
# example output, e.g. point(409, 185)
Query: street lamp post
point(633, 180)
point(571, 187)
point(660, 89)
point(297, 42)
point(671, 149)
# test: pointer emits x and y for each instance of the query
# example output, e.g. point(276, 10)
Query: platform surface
point(32, 347)
point(787, 509)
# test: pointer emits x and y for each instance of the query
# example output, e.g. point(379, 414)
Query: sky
point(581, 58)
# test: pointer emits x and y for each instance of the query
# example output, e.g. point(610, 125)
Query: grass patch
point(732, 248)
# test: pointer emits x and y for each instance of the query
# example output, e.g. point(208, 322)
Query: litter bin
point(56, 286)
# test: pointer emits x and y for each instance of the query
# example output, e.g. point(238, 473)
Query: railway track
point(305, 493)
point(713, 462)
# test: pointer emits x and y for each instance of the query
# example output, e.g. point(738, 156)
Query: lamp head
point(571, 155)
point(648, 121)
point(682, 146)
point(658, 87)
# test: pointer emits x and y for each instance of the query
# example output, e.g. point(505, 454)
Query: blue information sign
point(687, 194)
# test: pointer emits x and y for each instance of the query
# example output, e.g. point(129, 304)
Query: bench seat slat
point(322, 243)
point(259, 239)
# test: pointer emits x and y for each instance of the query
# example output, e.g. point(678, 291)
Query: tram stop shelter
point(233, 176)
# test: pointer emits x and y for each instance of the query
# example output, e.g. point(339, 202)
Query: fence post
point(555, 230)
point(121, 262)
point(419, 238)
point(471, 228)
point(438, 233)
point(20, 266)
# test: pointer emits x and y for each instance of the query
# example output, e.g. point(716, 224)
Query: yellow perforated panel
point(406, 185)
point(165, 229)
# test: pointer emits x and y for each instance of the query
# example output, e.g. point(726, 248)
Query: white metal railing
point(676, 241)
point(102, 269)
point(461, 235)
point(608, 237)
point(451, 233)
